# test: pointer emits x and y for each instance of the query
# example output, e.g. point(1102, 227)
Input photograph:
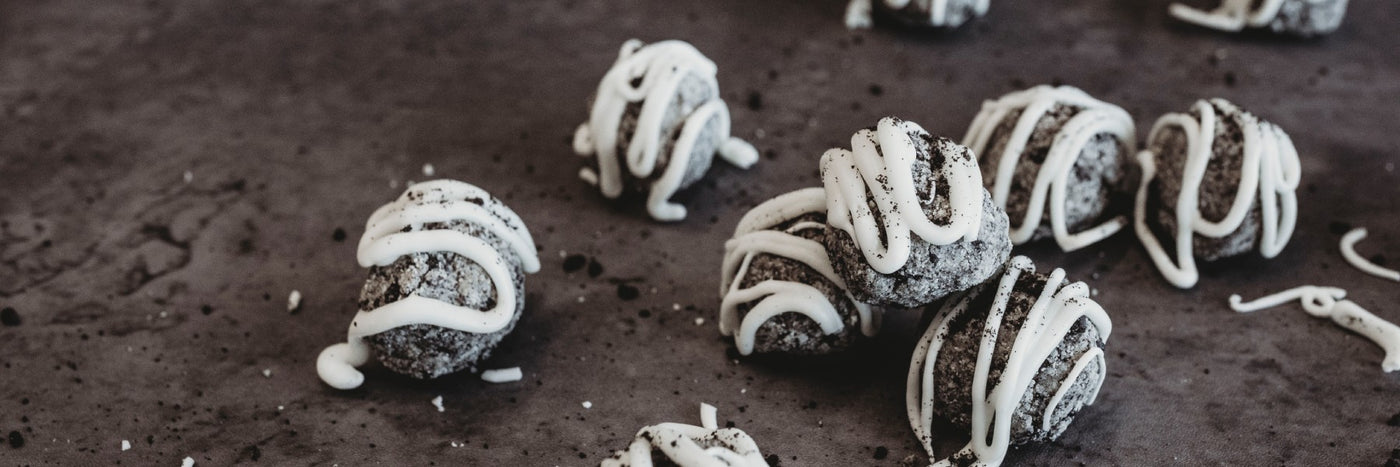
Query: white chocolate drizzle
point(652, 74)
point(859, 12)
point(1348, 247)
point(1269, 173)
point(1231, 15)
point(754, 237)
point(396, 230)
point(1094, 118)
point(1050, 318)
point(1327, 302)
point(677, 442)
point(881, 162)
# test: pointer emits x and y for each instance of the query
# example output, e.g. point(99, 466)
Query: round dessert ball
point(911, 221)
point(657, 122)
point(922, 13)
point(1053, 158)
point(446, 283)
point(779, 291)
point(682, 445)
point(1059, 373)
point(1200, 160)
point(1303, 18)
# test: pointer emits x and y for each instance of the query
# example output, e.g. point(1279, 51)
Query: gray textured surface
point(294, 119)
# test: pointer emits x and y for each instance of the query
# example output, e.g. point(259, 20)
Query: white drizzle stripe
point(1094, 118)
point(661, 67)
point(1348, 247)
point(676, 441)
point(1327, 302)
point(752, 237)
point(1270, 173)
point(881, 161)
point(1048, 321)
point(385, 240)
point(1231, 15)
point(859, 12)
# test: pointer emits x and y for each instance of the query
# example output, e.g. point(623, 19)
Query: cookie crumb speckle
point(1394, 420)
point(627, 292)
point(16, 440)
point(881, 453)
point(9, 317)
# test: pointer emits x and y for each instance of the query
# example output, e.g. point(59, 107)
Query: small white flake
point(454, 444)
point(393, 183)
point(744, 391)
point(1389, 166)
point(580, 299)
point(267, 372)
point(437, 402)
point(676, 306)
point(428, 170)
point(563, 254)
point(294, 301)
point(188, 462)
point(587, 405)
point(503, 375)
point(699, 321)
point(126, 445)
point(164, 314)
point(1094, 292)
point(279, 408)
point(189, 176)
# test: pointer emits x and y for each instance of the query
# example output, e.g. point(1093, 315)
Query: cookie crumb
point(9, 317)
point(1394, 420)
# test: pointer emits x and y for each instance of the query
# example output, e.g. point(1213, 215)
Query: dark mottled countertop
point(153, 309)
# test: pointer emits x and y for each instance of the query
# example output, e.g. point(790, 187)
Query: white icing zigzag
point(1046, 325)
point(753, 237)
point(1327, 302)
point(395, 230)
point(1269, 174)
point(678, 443)
point(1095, 118)
point(1231, 15)
point(651, 75)
point(859, 12)
point(881, 161)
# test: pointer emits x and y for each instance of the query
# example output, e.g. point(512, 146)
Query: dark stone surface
point(298, 118)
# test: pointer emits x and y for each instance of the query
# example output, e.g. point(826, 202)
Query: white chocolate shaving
point(651, 75)
point(858, 12)
point(1348, 247)
point(393, 231)
point(1231, 15)
point(1269, 173)
point(1094, 118)
point(1048, 321)
point(706, 445)
point(1327, 302)
point(502, 375)
point(753, 237)
point(879, 167)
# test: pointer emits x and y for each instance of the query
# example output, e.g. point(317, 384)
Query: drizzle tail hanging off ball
point(656, 124)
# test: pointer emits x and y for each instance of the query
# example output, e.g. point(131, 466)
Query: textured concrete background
point(150, 307)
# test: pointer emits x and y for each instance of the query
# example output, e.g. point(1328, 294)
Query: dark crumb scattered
point(881, 453)
point(1395, 453)
point(574, 262)
point(755, 100)
point(645, 313)
point(876, 90)
point(1378, 259)
point(1394, 420)
point(773, 460)
point(338, 235)
point(206, 309)
point(772, 74)
point(9, 317)
point(267, 297)
point(595, 268)
point(1338, 227)
point(16, 440)
point(1393, 462)
point(627, 292)
point(251, 452)
point(1229, 79)
point(770, 154)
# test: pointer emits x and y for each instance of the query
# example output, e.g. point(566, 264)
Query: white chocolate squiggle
point(1327, 302)
point(859, 12)
point(1095, 118)
point(395, 230)
point(1048, 321)
point(1269, 173)
point(678, 443)
point(754, 237)
point(1348, 247)
point(652, 74)
point(1231, 15)
point(881, 162)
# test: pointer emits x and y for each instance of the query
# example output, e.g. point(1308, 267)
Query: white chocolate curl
point(1049, 320)
point(652, 74)
point(1348, 247)
point(1269, 173)
point(859, 12)
point(754, 237)
point(1231, 15)
point(395, 230)
point(879, 167)
point(682, 445)
point(1095, 118)
point(1327, 302)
